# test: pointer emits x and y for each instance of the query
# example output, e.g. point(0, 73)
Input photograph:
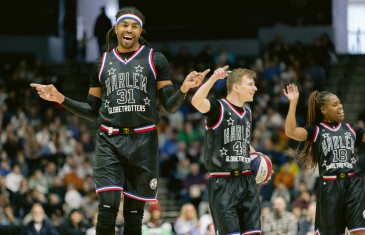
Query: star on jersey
point(106, 104)
point(348, 134)
point(230, 121)
point(223, 151)
point(325, 135)
point(324, 163)
point(139, 68)
point(147, 101)
point(111, 71)
point(248, 124)
point(353, 160)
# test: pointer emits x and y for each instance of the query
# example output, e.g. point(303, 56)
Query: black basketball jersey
point(227, 143)
point(128, 89)
point(334, 148)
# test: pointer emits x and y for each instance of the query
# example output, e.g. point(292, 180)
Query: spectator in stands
point(302, 197)
point(22, 162)
point(39, 224)
point(89, 204)
point(82, 47)
point(73, 178)
point(281, 191)
point(168, 151)
point(50, 172)
point(156, 225)
point(11, 143)
point(54, 209)
point(92, 229)
point(195, 185)
point(73, 198)
point(4, 167)
point(189, 133)
point(14, 179)
point(21, 206)
point(285, 176)
point(280, 221)
point(306, 223)
point(187, 222)
point(57, 187)
point(8, 221)
point(102, 25)
point(75, 224)
point(206, 223)
point(38, 182)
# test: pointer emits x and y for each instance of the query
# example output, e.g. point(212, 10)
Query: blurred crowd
point(46, 153)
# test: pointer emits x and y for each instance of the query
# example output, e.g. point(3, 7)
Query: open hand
point(291, 92)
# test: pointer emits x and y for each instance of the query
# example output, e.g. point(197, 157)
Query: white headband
point(130, 16)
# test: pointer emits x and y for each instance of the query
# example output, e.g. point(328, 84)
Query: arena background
point(37, 27)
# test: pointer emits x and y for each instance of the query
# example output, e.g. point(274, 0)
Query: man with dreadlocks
point(124, 86)
point(330, 143)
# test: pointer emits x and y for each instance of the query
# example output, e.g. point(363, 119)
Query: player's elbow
point(289, 133)
point(93, 118)
point(295, 134)
point(195, 102)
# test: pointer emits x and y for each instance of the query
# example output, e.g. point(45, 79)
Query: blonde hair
point(185, 209)
point(236, 76)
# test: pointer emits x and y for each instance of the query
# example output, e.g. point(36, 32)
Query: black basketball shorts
point(128, 163)
point(341, 204)
point(235, 204)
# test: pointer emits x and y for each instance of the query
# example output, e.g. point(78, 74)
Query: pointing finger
point(35, 85)
point(226, 67)
point(205, 72)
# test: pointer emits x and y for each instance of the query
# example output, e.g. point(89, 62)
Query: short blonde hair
point(236, 76)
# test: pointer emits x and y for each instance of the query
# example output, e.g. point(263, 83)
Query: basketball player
point(233, 193)
point(329, 144)
point(124, 86)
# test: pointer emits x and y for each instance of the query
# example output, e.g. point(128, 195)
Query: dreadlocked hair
point(317, 100)
point(111, 36)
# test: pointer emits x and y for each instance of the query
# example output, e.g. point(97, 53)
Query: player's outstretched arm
point(172, 100)
point(291, 129)
point(89, 110)
point(199, 100)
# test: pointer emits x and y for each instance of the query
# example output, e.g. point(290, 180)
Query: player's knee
point(133, 222)
point(106, 220)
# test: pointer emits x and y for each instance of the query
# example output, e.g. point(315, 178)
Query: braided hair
point(317, 100)
point(111, 36)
